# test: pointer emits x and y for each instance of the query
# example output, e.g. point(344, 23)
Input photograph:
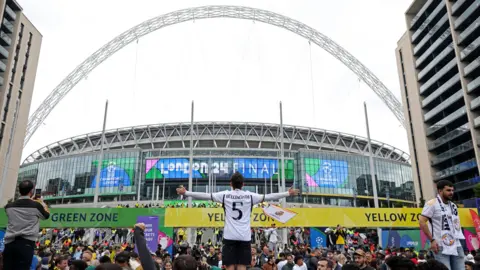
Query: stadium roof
point(217, 135)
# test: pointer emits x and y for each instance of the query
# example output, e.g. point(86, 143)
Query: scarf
point(451, 229)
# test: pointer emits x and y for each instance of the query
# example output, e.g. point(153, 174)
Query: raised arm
point(216, 197)
point(276, 196)
point(198, 195)
point(258, 198)
point(143, 251)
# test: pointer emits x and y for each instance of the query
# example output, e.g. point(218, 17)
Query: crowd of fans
point(74, 254)
point(126, 249)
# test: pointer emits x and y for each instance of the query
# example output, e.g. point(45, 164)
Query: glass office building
point(330, 168)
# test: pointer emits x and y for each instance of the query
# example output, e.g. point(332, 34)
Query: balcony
point(416, 20)
point(447, 102)
point(452, 64)
point(5, 40)
point(467, 32)
point(448, 137)
point(476, 122)
point(7, 26)
point(447, 85)
point(445, 39)
point(470, 49)
point(447, 120)
point(470, 10)
point(471, 67)
point(464, 166)
point(432, 18)
point(3, 67)
point(475, 103)
point(3, 53)
point(433, 33)
point(467, 184)
point(455, 151)
point(10, 13)
point(473, 85)
point(459, 6)
point(447, 51)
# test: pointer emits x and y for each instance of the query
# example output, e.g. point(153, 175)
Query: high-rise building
point(438, 64)
point(19, 51)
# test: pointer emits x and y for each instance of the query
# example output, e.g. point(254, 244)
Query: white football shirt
point(433, 211)
point(238, 206)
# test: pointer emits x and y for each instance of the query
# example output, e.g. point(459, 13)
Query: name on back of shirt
point(237, 197)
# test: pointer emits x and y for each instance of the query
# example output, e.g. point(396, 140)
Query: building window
point(411, 125)
point(25, 65)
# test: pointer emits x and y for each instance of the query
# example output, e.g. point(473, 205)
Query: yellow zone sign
point(309, 217)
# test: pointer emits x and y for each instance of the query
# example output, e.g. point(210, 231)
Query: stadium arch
point(210, 12)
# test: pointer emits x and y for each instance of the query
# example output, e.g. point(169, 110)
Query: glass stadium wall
point(327, 178)
point(333, 178)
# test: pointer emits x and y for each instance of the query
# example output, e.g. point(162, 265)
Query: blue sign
point(250, 168)
point(151, 231)
point(2, 241)
point(317, 238)
point(112, 176)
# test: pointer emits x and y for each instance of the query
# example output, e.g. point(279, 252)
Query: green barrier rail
point(94, 217)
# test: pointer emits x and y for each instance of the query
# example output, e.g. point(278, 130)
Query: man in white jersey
point(237, 205)
point(444, 231)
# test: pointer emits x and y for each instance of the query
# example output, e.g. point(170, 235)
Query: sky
point(234, 70)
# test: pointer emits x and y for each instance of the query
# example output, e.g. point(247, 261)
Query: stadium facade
point(150, 162)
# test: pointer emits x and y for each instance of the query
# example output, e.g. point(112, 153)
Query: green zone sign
point(93, 217)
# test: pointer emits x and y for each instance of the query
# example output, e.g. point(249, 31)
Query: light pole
point(388, 196)
point(271, 182)
point(265, 186)
point(163, 191)
point(354, 197)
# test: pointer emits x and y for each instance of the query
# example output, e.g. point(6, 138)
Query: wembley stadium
point(147, 164)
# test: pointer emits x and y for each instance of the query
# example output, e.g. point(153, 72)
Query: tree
point(476, 190)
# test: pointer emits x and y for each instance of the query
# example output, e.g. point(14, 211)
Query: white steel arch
point(210, 12)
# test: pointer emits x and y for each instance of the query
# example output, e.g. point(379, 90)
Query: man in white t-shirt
point(237, 205)
point(272, 236)
point(444, 231)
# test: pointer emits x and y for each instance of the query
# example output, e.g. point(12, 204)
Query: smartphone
point(38, 193)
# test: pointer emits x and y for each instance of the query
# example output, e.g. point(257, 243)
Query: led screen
point(114, 172)
point(251, 168)
point(325, 173)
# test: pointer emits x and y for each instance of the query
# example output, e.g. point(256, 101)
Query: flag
point(278, 213)
point(476, 222)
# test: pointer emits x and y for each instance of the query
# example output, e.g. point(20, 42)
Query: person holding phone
point(24, 217)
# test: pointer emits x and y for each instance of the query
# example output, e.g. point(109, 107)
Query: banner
point(114, 172)
point(326, 173)
point(93, 217)
point(471, 239)
point(402, 238)
point(317, 238)
point(2, 240)
point(309, 217)
point(222, 168)
point(165, 238)
point(416, 239)
point(151, 231)
point(476, 222)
